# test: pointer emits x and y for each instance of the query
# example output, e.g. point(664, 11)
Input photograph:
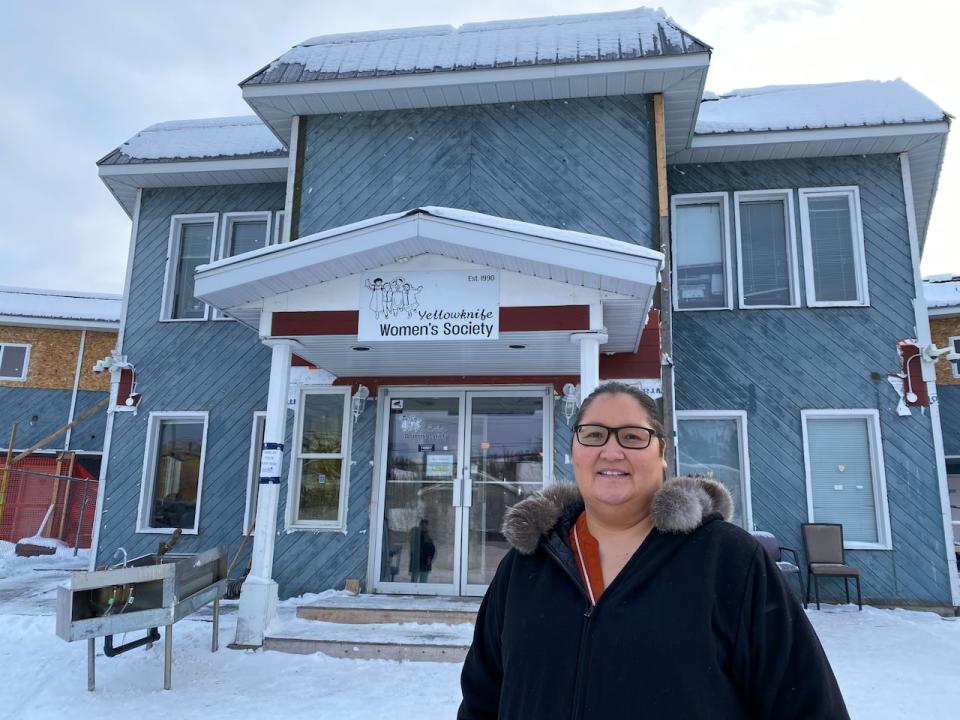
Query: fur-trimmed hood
point(678, 507)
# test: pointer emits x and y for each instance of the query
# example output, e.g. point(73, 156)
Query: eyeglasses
point(631, 437)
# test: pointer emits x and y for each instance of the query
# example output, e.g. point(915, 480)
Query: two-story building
point(49, 343)
point(370, 311)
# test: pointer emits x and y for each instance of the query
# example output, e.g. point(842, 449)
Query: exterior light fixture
point(571, 400)
point(359, 401)
point(517, 347)
point(360, 348)
point(402, 258)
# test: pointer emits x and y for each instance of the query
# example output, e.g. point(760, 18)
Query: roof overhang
point(249, 286)
point(941, 312)
point(123, 181)
point(680, 78)
point(59, 323)
point(923, 142)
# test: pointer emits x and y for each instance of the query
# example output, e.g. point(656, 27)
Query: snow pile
point(550, 40)
point(942, 291)
point(209, 137)
point(29, 302)
point(795, 107)
point(12, 566)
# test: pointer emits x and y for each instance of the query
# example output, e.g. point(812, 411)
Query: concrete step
point(410, 641)
point(383, 609)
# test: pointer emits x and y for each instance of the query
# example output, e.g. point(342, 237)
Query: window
point(253, 473)
point(833, 254)
point(243, 232)
point(318, 467)
point(278, 227)
point(713, 443)
point(13, 361)
point(955, 364)
point(701, 252)
point(766, 249)
point(953, 496)
point(845, 475)
point(173, 472)
point(191, 245)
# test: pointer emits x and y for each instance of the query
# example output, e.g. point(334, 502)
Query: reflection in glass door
point(505, 465)
point(418, 546)
point(453, 463)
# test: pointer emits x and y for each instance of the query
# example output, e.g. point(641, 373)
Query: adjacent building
point(360, 321)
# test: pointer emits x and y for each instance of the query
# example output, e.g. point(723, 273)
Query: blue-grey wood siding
point(216, 366)
point(949, 397)
point(584, 165)
point(775, 363)
point(52, 410)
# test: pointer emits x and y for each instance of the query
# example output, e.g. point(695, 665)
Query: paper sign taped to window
point(439, 465)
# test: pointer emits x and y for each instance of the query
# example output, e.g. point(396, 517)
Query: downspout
point(76, 388)
point(666, 298)
point(923, 339)
point(114, 387)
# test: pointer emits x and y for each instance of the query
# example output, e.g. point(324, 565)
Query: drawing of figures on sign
point(377, 301)
point(410, 298)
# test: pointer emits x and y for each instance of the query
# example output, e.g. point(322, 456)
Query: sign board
point(427, 306)
point(439, 465)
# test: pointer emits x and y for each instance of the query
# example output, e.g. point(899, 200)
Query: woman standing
point(625, 596)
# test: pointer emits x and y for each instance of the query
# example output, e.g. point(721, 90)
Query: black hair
point(617, 388)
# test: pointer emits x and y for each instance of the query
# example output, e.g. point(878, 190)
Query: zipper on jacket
point(582, 658)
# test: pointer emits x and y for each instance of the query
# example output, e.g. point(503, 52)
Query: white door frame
point(461, 484)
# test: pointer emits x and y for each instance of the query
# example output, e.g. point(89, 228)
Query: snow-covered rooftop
point(244, 136)
point(942, 291)
point(568, 39)
point(51, 305)
point(803, 107)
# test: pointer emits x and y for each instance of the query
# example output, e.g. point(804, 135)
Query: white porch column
point(258, 596)
point(590, 343)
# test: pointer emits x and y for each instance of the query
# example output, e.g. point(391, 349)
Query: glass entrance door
point(453, 462)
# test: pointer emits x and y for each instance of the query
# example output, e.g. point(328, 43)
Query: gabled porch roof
point(623, 275)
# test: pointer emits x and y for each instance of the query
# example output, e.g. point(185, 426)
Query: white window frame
point(852, 193)
point(954, 524)
point(703, 199)
point(150, 462)
point(26, 361)
point(741, 417)
point(779, 194)
point(954, 341)
point(881, 508)
point(293, 477)
point(226, 227)
point(279, 218)
point(173, 252)
point(253, 479)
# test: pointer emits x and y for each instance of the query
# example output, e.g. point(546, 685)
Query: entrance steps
point(391, 627)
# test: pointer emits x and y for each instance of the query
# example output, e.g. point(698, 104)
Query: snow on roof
point(942, 291)
point(206, 138)
point(505, 43)
point(796, 107)
point(59, 305)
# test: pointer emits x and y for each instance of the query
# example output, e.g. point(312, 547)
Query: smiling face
point(614, 480)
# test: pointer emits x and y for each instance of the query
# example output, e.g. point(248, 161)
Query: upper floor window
point(766, 249)
point(832, 232)
point(701, 252)
point(955, 364)
point(191, 245)
point(13, 361)
point(279, 227)
point(243, 232)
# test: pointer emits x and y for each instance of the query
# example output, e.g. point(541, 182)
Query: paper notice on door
point(439, 465)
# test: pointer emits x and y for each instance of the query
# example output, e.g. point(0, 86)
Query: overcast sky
point(84, 76)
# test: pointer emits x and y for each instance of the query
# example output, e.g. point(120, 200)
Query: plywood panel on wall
point(53, 356)
point(941, 330)
point(98, 346)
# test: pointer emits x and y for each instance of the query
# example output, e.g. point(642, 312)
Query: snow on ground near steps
point(891, 664)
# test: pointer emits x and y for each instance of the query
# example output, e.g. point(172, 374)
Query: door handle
point(457, 490)
point(467, 489)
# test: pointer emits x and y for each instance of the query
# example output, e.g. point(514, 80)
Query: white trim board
point(249, 511)
point(26, 361)
point(177, 222)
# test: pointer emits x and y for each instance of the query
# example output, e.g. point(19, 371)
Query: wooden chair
point(823, 545)
point(775, 551)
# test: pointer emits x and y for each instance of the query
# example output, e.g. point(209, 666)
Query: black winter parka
point(698, 624)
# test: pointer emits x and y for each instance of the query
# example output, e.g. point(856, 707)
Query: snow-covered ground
point(890, 664)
